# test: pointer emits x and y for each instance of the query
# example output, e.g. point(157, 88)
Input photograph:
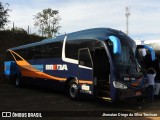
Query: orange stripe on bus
point(137, 82)
point(85, 82)
point(29, 71)
point(16, 54)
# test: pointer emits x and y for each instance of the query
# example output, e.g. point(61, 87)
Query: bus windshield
point(125, 62)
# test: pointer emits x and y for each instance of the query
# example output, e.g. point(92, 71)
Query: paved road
point(36, 99)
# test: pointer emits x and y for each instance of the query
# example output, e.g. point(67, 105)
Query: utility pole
point(13, 27)
point(28, 29)
point(127, 9)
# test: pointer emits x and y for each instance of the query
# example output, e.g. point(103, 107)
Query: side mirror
point(116, 44)
point(153, 56)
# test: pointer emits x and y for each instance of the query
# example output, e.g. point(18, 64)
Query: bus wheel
point(73, 90)
point(18, 82)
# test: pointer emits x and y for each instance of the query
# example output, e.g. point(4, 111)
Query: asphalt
point(54, 104)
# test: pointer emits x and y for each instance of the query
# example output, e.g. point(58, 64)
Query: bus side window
point(8, 56)
point(72, 48)
point(52, 50)
point(23, 53)
point(85, 58)
point(35, 52)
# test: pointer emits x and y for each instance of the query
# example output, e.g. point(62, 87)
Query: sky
point(144, 18)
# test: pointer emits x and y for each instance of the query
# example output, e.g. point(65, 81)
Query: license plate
point(138, 93)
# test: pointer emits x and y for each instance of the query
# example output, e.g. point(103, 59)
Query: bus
point(99, 62)
point(155, 44)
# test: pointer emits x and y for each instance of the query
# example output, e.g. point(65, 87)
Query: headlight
point(119, 85)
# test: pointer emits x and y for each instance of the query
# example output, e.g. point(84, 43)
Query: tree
point(47, 21)
point(4, 15)
point(19, 30)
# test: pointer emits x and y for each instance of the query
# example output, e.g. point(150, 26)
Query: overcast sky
point(144, 21)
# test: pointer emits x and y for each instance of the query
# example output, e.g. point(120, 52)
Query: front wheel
point(73, 91)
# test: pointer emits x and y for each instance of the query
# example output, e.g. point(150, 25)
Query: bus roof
point(95, 33)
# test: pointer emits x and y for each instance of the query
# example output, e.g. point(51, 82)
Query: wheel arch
point(69, 79)
point(17, 74)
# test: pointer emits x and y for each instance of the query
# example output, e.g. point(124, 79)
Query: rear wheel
point(18, 82)
point(73, 91)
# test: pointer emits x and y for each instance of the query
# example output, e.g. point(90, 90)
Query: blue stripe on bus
point(7, 67)
point(116, 44)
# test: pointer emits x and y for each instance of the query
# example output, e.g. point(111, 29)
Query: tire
point(73, 91)
point(18, 82)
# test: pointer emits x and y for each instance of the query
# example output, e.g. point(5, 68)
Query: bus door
point(101, 73)
point(85, 76)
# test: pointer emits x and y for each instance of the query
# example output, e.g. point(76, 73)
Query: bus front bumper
point(129, 93)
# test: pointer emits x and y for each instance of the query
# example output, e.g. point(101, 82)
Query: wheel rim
point(73, 90)
point(17, 81)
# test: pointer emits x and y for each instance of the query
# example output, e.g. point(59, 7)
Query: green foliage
point(3, 15)
point(47, 21)
point(19, 30)
point(9, 39)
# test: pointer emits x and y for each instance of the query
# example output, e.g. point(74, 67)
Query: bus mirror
point(151, 51)
point(116, 44)
point(153, 56)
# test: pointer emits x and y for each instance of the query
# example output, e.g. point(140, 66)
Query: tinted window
point(52, 50)
point(21, 52)
point(125, 62)
point(85, 58)
point(9, 56)
point(72, 48)
point(35, 52)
